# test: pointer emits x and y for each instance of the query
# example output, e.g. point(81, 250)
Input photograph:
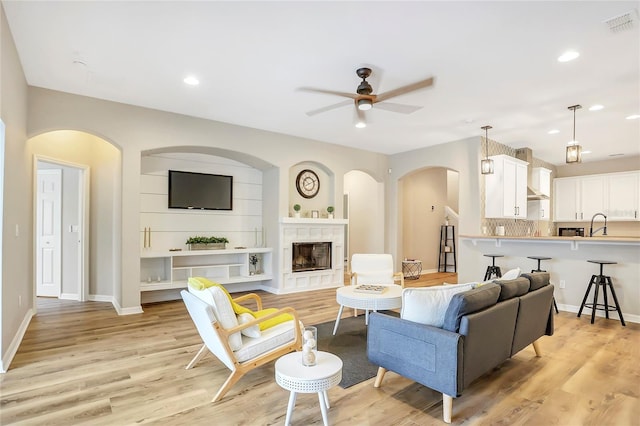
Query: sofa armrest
point(431, 356)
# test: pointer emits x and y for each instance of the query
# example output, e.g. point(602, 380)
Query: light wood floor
point(81, 363)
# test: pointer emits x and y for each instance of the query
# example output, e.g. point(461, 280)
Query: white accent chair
point(252, 352)
point(369, 268)
point(372, 268)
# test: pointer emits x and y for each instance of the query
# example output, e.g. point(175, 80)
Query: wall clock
point(307, 183)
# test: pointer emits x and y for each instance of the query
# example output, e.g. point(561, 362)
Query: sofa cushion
point(512, 288)
point(537, 280)
point(428, 305)
point(468, 302)
point(254, 330)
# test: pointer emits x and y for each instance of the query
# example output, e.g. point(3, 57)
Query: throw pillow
point(537, 280)
point(204, 283)
point(512, 274)
point(224, 314)
point(428, 305)
point(254, 330)
point(468, 302)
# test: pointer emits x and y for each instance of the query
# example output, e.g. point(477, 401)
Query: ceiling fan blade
point(405, 89)
point(328, 108)
point(329, 92)
point(400, 108)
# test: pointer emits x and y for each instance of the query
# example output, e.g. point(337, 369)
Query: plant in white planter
point(330, 211)
point(296, 209)
point(207, 243)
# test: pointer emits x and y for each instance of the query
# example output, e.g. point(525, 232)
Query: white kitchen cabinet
point(538, 210)
point(577, 199)
point(623, 196)
point(506, 188)
point(541, 181)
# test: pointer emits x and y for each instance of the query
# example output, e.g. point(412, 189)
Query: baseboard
point(586, 312)
point(15, 343)
point(69, 296)
point(119, 309)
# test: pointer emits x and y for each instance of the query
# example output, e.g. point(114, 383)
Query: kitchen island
point(570, 272)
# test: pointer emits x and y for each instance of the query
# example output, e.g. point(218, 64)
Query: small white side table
point(297, 378)
point(390, 298)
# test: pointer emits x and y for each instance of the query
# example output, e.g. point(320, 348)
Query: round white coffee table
point(390, 298)
point(295, 377)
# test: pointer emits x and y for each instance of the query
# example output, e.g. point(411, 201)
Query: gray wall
point(16, 299)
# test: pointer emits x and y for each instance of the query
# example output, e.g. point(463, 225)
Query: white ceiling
point(494, 63)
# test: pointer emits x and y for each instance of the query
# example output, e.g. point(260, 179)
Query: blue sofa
point(483, 327)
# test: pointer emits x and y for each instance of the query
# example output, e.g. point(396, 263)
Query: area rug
point(350, 344)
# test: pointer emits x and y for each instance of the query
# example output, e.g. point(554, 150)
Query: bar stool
point(493, 269)
point(604, 281)
point(539, 258)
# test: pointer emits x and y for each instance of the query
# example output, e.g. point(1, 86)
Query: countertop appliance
point(571, 232)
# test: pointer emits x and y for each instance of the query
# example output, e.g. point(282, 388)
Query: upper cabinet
point(541, 180)
point(506, 188)
point(577, 199)
point(623, 192)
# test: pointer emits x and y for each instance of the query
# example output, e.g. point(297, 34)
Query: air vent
point(623, 22)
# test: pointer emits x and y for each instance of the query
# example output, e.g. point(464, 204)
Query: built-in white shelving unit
point(165, 270)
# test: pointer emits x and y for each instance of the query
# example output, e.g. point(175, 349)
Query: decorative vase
point(296, 215)
point(330, 215)
point(309, 346)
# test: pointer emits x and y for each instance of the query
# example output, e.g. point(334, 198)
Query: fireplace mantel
point(296, 230)
point(309, 221)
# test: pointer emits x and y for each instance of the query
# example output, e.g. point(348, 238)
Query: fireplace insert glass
point(311, 256)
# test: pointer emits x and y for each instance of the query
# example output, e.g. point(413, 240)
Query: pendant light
point(574, 150)
point(486, 165)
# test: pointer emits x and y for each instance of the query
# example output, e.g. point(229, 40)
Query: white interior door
point(48, 228)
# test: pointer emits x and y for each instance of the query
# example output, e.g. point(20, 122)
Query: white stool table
point(295, 377)
point(390, 298)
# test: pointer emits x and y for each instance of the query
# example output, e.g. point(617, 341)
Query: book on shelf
point(370, 288)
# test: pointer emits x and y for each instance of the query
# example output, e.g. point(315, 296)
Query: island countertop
point(595, 239)
point(568, 264)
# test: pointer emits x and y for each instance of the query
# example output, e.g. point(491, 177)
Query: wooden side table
point(295, 377)
point(411, 269)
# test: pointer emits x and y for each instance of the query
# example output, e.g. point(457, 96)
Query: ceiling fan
point(364, 99)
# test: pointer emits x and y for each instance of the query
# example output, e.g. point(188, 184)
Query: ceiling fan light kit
point(486, 165)
point(364, 104)
point(574, 150)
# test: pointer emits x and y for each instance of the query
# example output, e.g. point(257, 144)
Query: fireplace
point(314, 256)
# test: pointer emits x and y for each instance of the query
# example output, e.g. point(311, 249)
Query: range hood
point(526, 154)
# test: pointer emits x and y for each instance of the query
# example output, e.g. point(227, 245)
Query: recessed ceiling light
point(633, 117)
point(361, 124)
point(553, 131)
point(191, 81)
point(596, 107)
point(616, 155)
point(567, 56)
point(586, 152)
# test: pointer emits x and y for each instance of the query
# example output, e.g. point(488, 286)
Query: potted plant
point(330, 211)
point(207, 243)
point(296, 208)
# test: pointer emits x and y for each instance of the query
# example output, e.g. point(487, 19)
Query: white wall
point(462, 156)
point(170, 228)
point(138, 130)
point(16, 297)
point(366, 213)
point(102, 159)
point(425, 196)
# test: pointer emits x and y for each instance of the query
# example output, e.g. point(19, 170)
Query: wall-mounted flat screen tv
point(201, 191)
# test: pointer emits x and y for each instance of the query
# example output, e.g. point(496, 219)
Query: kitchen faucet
point(604, 228)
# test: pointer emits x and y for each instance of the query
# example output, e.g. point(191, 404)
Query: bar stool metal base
point(539, 258)
point(605, 282)
point(493, 269)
